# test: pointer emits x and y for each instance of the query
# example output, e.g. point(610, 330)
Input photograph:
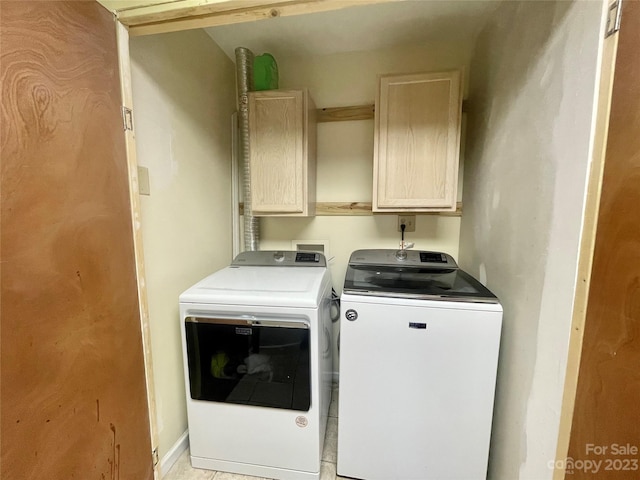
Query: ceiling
point(359, 28)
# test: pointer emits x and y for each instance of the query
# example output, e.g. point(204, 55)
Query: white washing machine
point(257, 358)
point(418, 360)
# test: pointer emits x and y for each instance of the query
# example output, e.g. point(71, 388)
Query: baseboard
point(174, 453)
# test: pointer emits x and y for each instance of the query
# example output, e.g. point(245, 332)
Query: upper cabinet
point(417, 142)
point(282, 151)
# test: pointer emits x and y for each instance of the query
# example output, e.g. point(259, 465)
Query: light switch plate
point(143, 181)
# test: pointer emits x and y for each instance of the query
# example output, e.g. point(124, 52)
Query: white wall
point(530, 116)
point(184, 95)
point(345, 154)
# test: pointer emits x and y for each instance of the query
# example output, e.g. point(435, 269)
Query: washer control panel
point(413, 258)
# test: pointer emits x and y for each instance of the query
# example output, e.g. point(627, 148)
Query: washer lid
point(413, 277)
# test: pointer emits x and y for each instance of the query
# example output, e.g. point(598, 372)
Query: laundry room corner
point(183, 94)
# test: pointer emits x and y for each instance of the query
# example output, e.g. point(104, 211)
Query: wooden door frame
point(173, 16)
point(191, 14)
point(608, 48)
point(124, 64)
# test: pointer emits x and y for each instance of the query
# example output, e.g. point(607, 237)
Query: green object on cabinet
point(265, 72)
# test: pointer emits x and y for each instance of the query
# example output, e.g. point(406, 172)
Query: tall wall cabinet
point(417, 142)
point(282, 138)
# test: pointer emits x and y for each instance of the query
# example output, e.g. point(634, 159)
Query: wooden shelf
point(355, 112)
point(328, 209)
point(340, 114)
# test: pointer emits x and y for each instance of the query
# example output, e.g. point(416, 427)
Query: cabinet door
point(417, 142)
point(279, 152)
point(74, 399)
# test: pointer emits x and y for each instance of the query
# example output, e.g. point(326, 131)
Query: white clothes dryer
point(418, 359)
point(256, 340)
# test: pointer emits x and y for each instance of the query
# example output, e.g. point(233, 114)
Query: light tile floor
point(182, 470)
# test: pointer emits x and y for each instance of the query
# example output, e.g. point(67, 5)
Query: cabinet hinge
point(154, 456)
point(127, 118)
point(614, 15)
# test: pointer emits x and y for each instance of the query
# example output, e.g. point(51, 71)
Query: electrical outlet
point(409, 222)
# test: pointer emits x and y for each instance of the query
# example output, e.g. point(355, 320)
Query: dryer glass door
point(261, 363)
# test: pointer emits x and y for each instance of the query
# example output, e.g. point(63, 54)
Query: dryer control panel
point(284, 258)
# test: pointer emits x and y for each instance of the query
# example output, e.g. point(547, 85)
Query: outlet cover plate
point(409, 221)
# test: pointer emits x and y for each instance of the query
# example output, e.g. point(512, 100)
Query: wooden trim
point(339, 114)
point(329, 209)
point(146, 6)
point(185, 9)
point(127, 101)
point(175, 16)
point(587, 245)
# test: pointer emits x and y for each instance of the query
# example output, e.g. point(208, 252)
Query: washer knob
point(401, 255)
point(278, 256)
